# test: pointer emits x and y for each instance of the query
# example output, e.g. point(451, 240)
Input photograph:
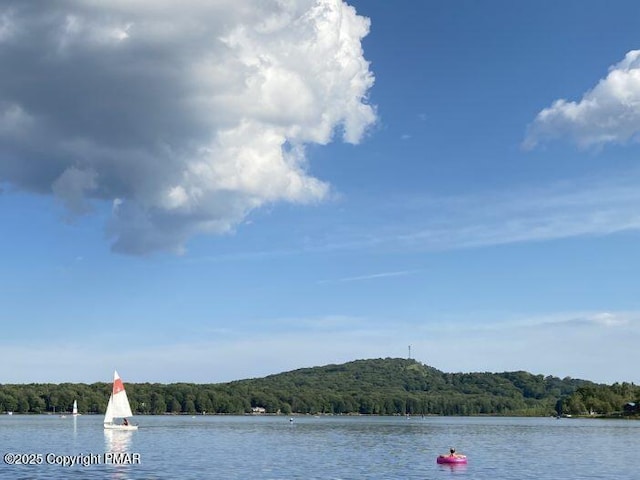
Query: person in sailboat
point(125, 422)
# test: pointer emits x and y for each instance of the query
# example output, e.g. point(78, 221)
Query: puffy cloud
point(610, 112)
point(185, 116)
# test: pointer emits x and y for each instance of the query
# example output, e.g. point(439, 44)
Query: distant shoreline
point(380, 387)
point(307, 415)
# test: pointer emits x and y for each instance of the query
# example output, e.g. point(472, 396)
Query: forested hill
point(388, 386)
point(399, 386)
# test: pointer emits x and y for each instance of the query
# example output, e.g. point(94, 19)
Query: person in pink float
point(452, 453)
point(453, 457)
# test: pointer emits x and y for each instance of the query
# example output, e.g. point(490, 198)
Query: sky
point(211, 191)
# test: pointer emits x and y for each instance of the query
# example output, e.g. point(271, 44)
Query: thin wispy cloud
point(563, 210)
point(601, 346)
point(591, 345)
point(568, 209)
point(583, 206)
point(372, 276)
point(559, 320)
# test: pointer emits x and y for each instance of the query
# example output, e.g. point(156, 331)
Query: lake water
point(272, 447)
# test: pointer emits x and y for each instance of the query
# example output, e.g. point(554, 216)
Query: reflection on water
point(118, 441)
point(453, 468)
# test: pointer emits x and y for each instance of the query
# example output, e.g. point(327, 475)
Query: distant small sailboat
point(118, 407)
point(75, 408)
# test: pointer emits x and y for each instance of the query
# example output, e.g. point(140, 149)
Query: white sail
point(108, 415)
point(118, 406)
point(75, 407)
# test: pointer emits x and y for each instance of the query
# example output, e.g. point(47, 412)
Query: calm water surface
point(221, 447)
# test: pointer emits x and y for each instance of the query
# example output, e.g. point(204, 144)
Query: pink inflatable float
point(451, 459)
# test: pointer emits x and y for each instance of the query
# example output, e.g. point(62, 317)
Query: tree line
point(608, 400)
point(377, 386)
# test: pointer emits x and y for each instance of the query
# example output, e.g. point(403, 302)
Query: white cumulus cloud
point(184, 116)
point(610, 112)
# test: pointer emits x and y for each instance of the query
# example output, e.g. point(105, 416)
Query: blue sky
point(313, 182)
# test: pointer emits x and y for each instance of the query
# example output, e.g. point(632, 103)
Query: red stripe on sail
point(117, 386)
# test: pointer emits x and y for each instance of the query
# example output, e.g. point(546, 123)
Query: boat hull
point(115, 426)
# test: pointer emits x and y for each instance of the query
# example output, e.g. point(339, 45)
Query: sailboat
point(118, 407)
point(75, 408)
